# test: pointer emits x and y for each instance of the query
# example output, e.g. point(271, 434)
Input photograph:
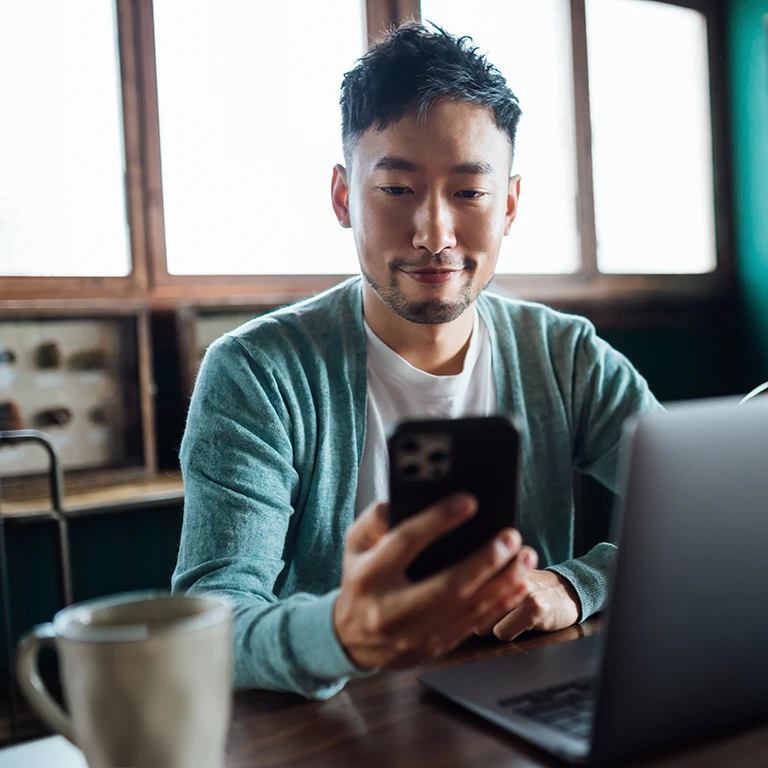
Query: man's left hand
point(552, 604)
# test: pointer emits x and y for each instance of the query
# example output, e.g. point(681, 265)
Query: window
point(219, 146)
point(250, 132)
point(651, 137)
point(62, 169)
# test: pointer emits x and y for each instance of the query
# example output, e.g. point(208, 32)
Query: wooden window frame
point(136, 283)
point(150, 277)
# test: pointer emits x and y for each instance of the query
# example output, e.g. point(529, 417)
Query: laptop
point(684, 656)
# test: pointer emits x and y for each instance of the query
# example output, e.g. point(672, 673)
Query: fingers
point(465, 578)
point(553, 604)
point(460, 590)
point(368, 529)
point(403, 542)
point(519, 620)
point(448, 637)
point(513, 581)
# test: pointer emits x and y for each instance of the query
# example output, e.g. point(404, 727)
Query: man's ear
point(340, 195)
point(513, 196)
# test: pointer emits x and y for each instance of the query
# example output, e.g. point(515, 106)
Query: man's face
point(428, 202)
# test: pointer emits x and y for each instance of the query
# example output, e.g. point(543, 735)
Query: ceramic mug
point(147, 679)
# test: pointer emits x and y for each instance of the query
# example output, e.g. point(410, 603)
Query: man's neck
point(436, 349)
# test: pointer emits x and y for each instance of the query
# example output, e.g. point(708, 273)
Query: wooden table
point(390, 720)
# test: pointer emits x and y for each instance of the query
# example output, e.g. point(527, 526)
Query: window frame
point(268, 289)
point(136, 282)
point(150, 277)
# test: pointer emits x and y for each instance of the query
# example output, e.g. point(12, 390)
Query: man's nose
point(434, 228)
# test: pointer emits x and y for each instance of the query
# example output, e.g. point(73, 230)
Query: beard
point(431, 311)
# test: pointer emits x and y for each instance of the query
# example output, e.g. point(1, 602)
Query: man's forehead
point(462, 138)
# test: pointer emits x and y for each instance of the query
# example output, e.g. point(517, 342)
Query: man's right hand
point(382, 619)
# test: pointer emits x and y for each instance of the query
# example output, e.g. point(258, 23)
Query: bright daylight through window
point(652, 137)
point(250, 131)
point(62, 171)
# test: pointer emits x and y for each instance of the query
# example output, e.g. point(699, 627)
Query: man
point(284, 456)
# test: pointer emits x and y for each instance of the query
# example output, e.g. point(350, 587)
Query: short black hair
point(412, 67)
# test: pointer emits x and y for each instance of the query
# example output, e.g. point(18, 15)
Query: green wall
point(747, 37)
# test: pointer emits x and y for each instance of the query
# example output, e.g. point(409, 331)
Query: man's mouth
point(432, 276)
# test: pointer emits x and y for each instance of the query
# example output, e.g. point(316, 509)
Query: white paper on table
point(51, 752)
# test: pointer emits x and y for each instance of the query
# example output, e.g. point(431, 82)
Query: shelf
point(157, 490)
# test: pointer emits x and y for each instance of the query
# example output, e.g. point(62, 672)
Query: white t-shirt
point(397, 391)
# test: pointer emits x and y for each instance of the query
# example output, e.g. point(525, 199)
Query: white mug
point(147, 679)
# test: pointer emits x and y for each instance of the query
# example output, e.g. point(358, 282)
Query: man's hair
point(409, 70)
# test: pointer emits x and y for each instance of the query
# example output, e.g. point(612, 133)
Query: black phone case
point(435, 458)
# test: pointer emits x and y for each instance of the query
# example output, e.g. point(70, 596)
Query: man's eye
point(471, 194)
point(395, 191)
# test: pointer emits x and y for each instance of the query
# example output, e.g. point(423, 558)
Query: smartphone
point(435, 458)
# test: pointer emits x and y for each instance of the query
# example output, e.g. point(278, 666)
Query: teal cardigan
point(273, 444)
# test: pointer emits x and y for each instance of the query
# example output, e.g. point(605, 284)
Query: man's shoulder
point(305, 326)
point(284, 353)
point(524, 318)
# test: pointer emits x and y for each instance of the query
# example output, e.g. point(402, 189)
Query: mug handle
point(28, 675)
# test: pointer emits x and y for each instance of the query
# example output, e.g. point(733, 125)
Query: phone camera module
point(409, 445)
point(423, 457)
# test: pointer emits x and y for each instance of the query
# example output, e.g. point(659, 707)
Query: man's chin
point(430, 312)
point(424, 304)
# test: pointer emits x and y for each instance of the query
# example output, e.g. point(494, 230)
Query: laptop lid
point(686, 652)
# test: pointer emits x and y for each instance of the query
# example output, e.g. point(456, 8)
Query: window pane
point(250, 130)
point(652, 140)
point(530, 43)
point(62, 193)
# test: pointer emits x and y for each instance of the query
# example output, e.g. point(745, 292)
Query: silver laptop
point(684, 656)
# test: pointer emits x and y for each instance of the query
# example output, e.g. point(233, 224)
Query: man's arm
point(239, 482)
point(607, 390)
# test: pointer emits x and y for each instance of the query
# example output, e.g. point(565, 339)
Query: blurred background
point(164, 176)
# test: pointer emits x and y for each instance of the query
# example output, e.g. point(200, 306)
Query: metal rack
point(56, 488)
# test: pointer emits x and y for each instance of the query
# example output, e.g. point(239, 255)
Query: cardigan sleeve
point(240, 485)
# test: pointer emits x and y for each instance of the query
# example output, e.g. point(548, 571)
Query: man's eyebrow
point(480, 168)
point(392, 163)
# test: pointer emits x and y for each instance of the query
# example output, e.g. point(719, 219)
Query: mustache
point(434, 261)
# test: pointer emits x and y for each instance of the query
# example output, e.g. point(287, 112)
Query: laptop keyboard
point(569, 707)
